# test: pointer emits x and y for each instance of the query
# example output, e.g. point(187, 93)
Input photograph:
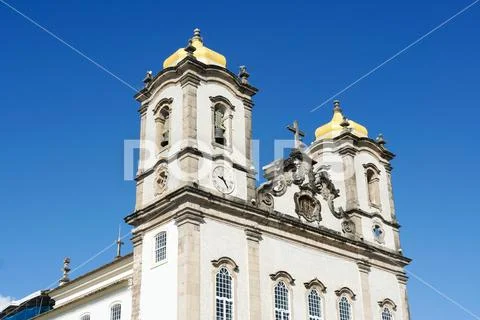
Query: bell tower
point(196, 127)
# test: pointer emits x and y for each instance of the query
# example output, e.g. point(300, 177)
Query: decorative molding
point(190, 78)
point(222, 99)
point(161, 180)
point(346, 291)
point(389, 303)
point(364, 266)
point(402, 278)
point(189, 217)
point(370, 165)
point(283, 274)
point(315, 283)
point(347, 150)
point(163, 102)
point(306, 205)
point(253, 235)
point(225, 261)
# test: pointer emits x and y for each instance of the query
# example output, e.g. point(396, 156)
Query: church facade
point(319, 240)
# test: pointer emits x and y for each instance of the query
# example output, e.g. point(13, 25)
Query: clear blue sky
point(63, 120)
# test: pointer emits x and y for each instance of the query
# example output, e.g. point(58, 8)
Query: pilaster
point(141, 161)
point(190, 84)
point(137, 242)
point(253, 243)
point(402, 282)
point(364, 269)
point(188, 224)
point(348, 154)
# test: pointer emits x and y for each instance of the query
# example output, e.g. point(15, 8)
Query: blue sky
point(63, 120)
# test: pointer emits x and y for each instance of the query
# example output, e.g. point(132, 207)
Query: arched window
point(386, 314)
point(223, 295)
point(282, 306)
point(85, 317)
point(160, 247)
point(162, 121)
point(344, 309)
point(116, 312)
point(373, 187)
point(222, 115)
point(220, 118)
point(314, 305)
point(162, 114)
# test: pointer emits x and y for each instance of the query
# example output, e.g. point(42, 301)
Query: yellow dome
point(334, 128)
point(202, 54)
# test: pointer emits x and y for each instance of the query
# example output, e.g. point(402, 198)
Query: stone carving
point(348, 227)
point(161, 180)
point(279, 186)
point(306, 205)
point(267, 199)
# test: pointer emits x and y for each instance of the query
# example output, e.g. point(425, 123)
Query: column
point(402, 282)
point(188, 224)
point(364, 268)
point(137, 241)
point(253, 241)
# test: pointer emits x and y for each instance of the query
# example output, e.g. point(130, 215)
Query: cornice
point(263, 219)
point(387, 302)
point(226, 261)
point(346, 291)
point(197, 71)
point(364, 266)
point(253, 235)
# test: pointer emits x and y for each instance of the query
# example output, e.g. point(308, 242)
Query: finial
point(66, 270)
point(190, 48)
point(243, 74)
point(336, 106)
point(196, 35)
point(148, 78)
point(380, 140)
point(119, 243)
point(345, 124)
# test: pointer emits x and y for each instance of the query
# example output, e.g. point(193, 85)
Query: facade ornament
point(380, 140)
point(279, 185)
point(283, 275)
point(66, 270)
point(226, 261)
point(346, 291)
point(243, 75)
point(348, 227)
point(387, 303)
point(315, 283)
point(190, 49)
point(297, 134)
point(161, 180)
point(306, 205)
point(267, 199)
point(148, 78)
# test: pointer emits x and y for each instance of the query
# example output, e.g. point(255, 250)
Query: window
point(282, 308)
point(314, 306)
point(220, 125)
point(85, 317)
point(223, 295)
point(344, 309)
point(116, 312)
point(373, 187)
point(162, 121)
point(161, 247)
point(378, 233)
point(386, 314)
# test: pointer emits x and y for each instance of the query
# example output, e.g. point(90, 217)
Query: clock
point(223, 179)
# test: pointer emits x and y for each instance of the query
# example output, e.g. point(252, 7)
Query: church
point(318, 240)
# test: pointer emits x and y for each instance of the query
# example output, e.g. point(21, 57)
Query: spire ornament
point(120, 243)
point(243, 75)
point(196, 35)
point(297, 134)
point(148, 78)
point(66, 270)
point(380, 140)
point(190, 49)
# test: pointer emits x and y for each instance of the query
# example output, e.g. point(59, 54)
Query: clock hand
point(223, 179)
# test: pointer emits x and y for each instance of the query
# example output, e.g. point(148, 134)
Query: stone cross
point(297, 134)
point(119, 244)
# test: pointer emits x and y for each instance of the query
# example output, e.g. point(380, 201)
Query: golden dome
point(336, 125)
point(201, 52)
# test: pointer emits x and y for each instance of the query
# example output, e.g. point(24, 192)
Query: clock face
point(223, 179)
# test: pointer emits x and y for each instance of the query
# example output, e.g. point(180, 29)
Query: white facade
point(208, 244)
